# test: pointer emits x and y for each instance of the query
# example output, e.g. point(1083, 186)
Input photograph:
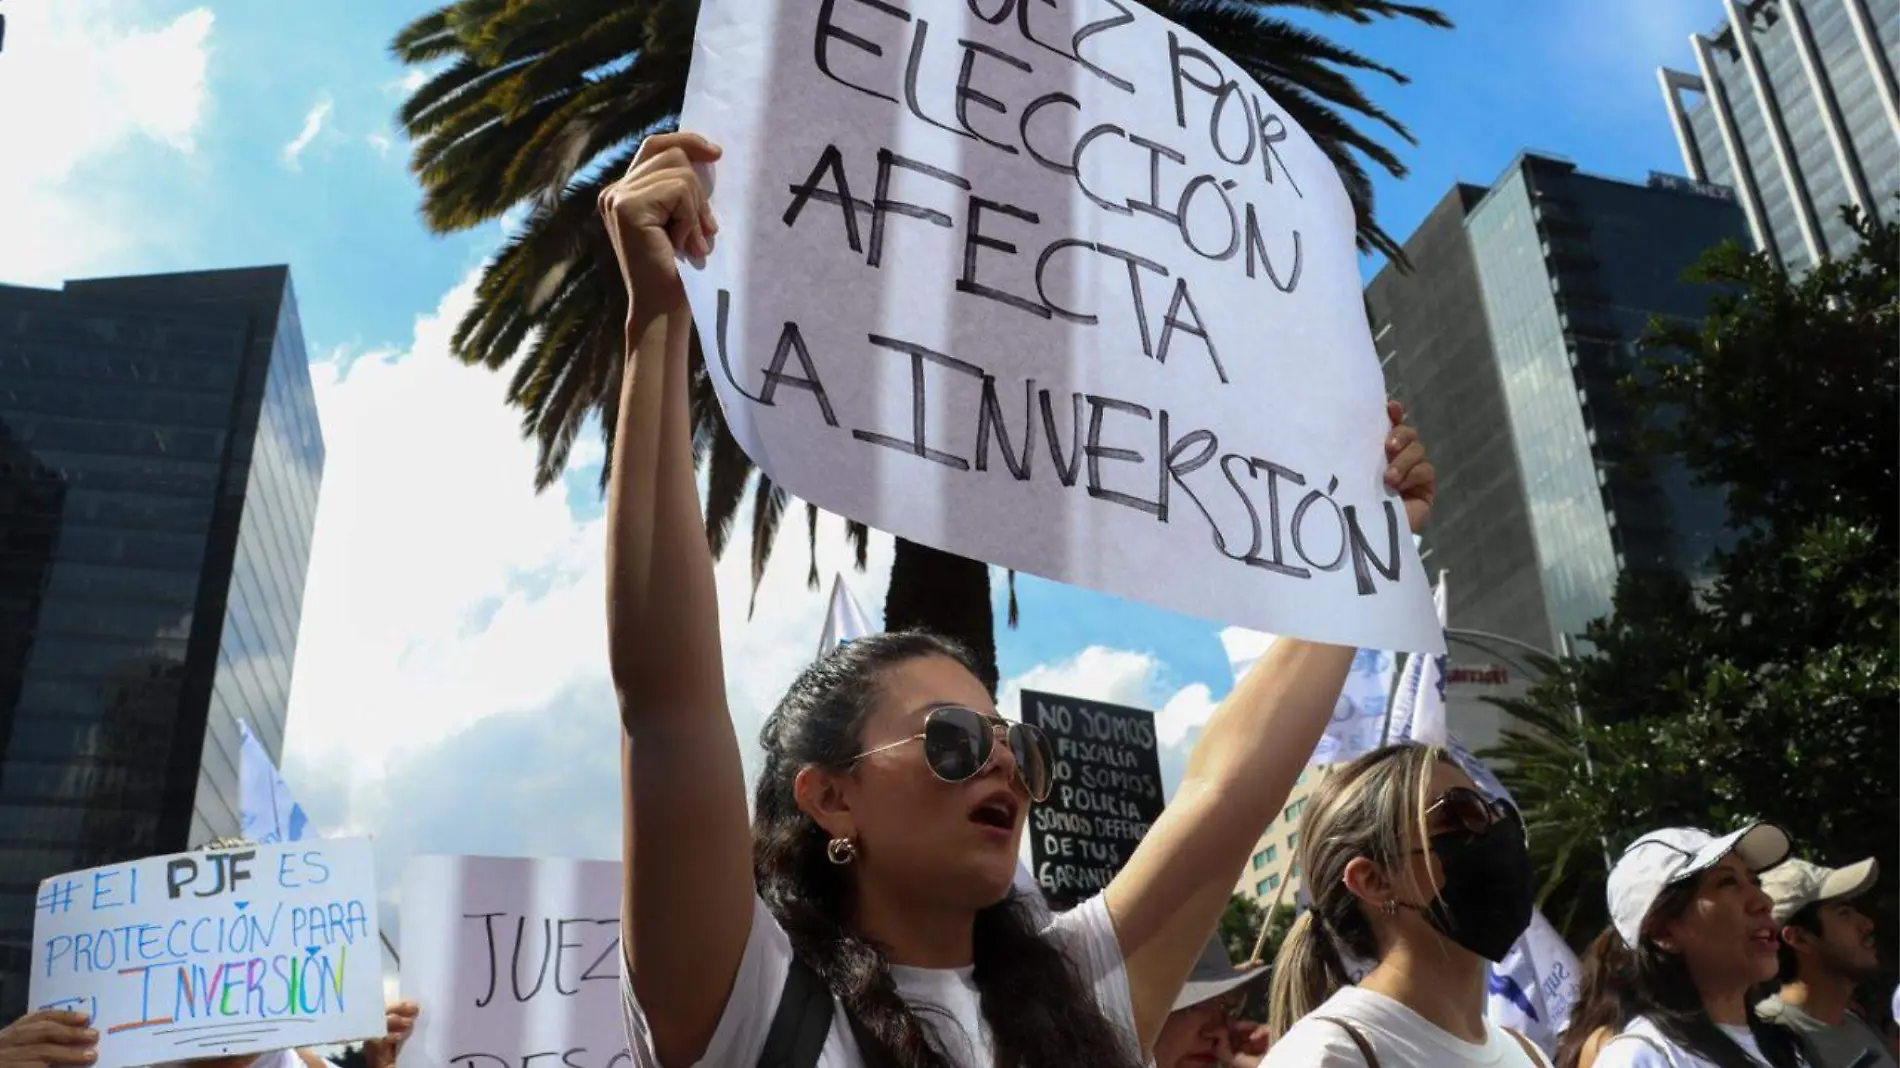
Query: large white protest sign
point(515, 962)
point(212, 953)
point(1052, 284)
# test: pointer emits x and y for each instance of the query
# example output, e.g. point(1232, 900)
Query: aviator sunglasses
point(1464, 809)
point(960, 742)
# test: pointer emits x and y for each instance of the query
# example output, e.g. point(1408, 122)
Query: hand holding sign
point(47, 1039)
point(658, 210)
point(400, 1018)
point(1407, 472)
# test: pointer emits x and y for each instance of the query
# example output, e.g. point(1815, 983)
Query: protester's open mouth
point(997, 812)
point(1763, 940)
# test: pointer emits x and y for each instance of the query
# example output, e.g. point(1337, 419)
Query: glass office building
point(1506, 342)
point(1793, 104)
point(159, 465)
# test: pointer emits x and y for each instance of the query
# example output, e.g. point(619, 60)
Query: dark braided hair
point(1040, 1013)
point(1663, 991)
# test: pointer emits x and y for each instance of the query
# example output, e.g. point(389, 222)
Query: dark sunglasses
point(1467, 810)
point(960, 742)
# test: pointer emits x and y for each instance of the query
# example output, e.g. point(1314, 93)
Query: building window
point(1265, 857)
point(1293, 810)
point(1273, 882)
point(1293, 872)
point(1261, 889)
point(1293, 841)
point(1301, 781)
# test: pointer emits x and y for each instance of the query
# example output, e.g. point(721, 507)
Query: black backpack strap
point(803, 1019)
point(1365, 1047)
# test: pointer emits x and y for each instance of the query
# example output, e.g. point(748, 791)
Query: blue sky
point(450, 691)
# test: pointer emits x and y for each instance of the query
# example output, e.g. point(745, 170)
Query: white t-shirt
point(1628, 1050)
point(1085, 935)
point(1399, 1037)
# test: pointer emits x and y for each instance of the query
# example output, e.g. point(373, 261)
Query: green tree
point(1771, 691)
point(538, 104)
point(1240, 926)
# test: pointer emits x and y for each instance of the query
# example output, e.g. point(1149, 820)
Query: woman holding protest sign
point(1417, 874)
point(866, 917)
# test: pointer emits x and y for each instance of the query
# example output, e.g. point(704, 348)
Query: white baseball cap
point(1798, 884)
point(1661, 859)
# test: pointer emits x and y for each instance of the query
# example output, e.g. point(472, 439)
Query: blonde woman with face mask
point(1412, 868)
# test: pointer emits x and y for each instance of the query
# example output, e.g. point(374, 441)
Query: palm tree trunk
point(945, 593)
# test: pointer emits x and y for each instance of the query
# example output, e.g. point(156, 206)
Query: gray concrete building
point(1506, 342)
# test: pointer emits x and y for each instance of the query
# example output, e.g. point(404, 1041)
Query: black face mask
point(1487, 899)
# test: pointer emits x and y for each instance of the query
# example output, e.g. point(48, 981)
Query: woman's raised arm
point(688, 851)
point(1169, 897)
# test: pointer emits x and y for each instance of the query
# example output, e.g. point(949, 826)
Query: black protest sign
point(1106, 792)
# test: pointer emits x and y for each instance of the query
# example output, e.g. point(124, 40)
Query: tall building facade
point(1507, 343)
point(159, 467)
point(1793, 105)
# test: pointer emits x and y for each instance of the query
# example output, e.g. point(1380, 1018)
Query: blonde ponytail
point(1304, 975)
point(1361, 810)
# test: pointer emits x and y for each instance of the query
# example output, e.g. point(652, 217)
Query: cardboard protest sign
point(211, 953)
point(1054, 285)
point(515, 962)
point(1107, 793)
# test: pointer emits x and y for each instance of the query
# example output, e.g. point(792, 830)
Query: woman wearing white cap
point(1702, 934)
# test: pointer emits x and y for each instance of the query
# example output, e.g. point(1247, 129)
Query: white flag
point(266, 811)
point(845, 621)
point(1418, 709)
point(1535, 988)
point(1359, 714)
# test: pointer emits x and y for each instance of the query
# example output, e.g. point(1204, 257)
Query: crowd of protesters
point(864, 914)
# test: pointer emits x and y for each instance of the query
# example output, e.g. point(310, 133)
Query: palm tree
point(538, 104)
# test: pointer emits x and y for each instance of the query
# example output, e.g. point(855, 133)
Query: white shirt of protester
point(953, 1013)
point(1399, 1037)
point(1641, 1045)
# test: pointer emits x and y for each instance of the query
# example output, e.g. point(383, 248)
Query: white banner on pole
point(1535, 988)
point(845, 620)
point(266, 811)
point(208, 954)
point(1359, 715)
point(515, 962)
point(1059, 288)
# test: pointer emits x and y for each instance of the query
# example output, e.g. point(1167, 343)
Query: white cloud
point(381, 143)
point(98, 87)
point(1097, 673)
point(313, 124)
point(1186, 710)
point(451, 691)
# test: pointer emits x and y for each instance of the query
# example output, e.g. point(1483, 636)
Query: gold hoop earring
point(841, 851)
